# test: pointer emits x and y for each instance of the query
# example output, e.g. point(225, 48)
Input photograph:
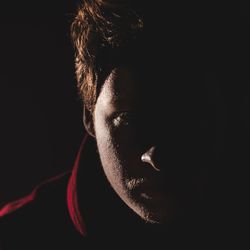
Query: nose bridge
point(232, 130)
point(220, 125)
point(236, 138)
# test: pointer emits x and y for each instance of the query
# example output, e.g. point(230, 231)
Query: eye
point(124, 119)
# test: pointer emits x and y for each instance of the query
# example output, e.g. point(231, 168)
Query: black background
point(40, 111)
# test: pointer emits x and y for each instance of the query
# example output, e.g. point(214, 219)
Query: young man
point(141, 177)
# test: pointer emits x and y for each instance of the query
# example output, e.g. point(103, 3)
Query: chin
point(152, 207)
point(154, 219)
point(154, 214)
point(157, 217)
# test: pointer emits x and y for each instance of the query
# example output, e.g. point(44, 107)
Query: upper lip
point(154, 184)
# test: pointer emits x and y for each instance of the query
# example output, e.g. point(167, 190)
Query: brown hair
point(100, 32)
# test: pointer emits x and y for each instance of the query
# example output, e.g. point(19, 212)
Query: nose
point(149, 157)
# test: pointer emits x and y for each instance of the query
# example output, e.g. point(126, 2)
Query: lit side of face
point(127, 157)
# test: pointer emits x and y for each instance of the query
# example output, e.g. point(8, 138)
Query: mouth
point(135, 183)
point(148, 189)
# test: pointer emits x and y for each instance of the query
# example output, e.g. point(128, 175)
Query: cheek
point(108, 152)
point(106, 145)
point(117, 152)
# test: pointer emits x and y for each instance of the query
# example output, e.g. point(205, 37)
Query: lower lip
point(151, 194)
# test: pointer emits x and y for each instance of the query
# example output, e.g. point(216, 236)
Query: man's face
point(143, 155)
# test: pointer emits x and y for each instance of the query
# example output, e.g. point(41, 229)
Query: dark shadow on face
point(150, 131)
point(169, 126)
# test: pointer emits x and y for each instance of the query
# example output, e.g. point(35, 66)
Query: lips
point(161, 185)
point(151, 194)
point(149, 188)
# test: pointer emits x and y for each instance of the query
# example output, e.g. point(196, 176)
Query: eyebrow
point(123, 101)
point(120, 93)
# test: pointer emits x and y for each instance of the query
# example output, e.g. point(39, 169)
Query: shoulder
point(39, 218)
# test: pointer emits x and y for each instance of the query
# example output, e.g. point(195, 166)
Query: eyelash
point(122, 119)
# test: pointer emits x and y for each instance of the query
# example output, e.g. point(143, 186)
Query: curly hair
point(101, 32)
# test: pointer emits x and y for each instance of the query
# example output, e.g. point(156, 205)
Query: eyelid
point(117, 118)
point(119, 113)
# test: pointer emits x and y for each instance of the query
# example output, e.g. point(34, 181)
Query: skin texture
point(133, 149)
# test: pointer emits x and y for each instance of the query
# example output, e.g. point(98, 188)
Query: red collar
point(72, 197)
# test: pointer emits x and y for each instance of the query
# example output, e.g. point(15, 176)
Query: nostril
point(148, 157)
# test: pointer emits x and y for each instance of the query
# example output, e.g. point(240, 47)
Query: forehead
point(119, 88)
point(149, 87)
